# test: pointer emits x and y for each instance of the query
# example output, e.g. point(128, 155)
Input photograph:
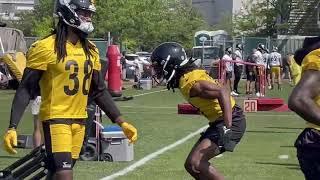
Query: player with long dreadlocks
point(66, 66)
point(226, 119)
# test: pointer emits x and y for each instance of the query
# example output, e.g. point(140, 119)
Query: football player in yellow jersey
point(305, 101)
point(295, 70)
point(226, 119)
point(67, 68)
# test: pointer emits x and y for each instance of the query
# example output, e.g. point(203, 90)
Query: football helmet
point(261, 47)
point(167, 58)
point(229, 50)
point(239, 46)
point(66, 10)
point(275, 49)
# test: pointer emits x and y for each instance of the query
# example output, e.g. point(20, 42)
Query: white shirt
point(265, 59)
point(275, 59)
point(238, 57)
point(229, 66)
point(138, 64)
point(258, 58)
point(141, 63)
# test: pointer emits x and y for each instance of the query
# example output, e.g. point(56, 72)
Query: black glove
point(225, 136)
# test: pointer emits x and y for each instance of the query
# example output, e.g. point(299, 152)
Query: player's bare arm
point(207, 90)
point(302, 97)
point(27, 89)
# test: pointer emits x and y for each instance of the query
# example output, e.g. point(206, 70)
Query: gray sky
point(237, 5)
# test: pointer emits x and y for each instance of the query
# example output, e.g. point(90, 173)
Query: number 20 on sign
point(250, 105)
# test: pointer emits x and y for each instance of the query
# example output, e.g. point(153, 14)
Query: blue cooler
point(114, 145)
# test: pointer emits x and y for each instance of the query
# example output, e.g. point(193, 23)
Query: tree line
point(143, 24)
point(136, 24)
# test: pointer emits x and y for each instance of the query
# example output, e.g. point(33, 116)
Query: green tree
point(265, 17)
point(37, 22)
point(147, 23)
point(139, 24)
point(43, 18)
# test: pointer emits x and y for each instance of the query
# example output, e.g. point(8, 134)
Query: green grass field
point(269, 134)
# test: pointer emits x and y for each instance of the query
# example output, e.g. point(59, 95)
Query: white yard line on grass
point(153, 155)
point(283, 156)
point(137, 95)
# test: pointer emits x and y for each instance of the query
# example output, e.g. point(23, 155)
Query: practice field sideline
point(269, 135)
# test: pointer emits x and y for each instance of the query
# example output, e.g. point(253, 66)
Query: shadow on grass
point(276, 132)
point(285, 128)
point(287, 165)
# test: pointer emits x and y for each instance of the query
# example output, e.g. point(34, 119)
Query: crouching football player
point(227, 122)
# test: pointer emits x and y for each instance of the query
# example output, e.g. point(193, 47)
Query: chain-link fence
point(285, 44)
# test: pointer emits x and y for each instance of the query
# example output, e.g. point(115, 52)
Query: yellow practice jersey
point(295, 70)
point(312, 62)
point(64, 84)
point(210, 108)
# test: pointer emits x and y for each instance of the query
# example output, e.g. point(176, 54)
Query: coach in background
point(259, 60)
point(250, 73)
point(238, 68)
point(229, 69)
point(286, 68)
point(305, 101)
point(123, 62)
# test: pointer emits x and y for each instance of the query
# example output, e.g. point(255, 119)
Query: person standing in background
point(275, 63)
point(259, 60)
point(238, 68)
point(286, 68)
point(250, 73)
point(266, 56)
point(123, 66)
point(229, 69)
